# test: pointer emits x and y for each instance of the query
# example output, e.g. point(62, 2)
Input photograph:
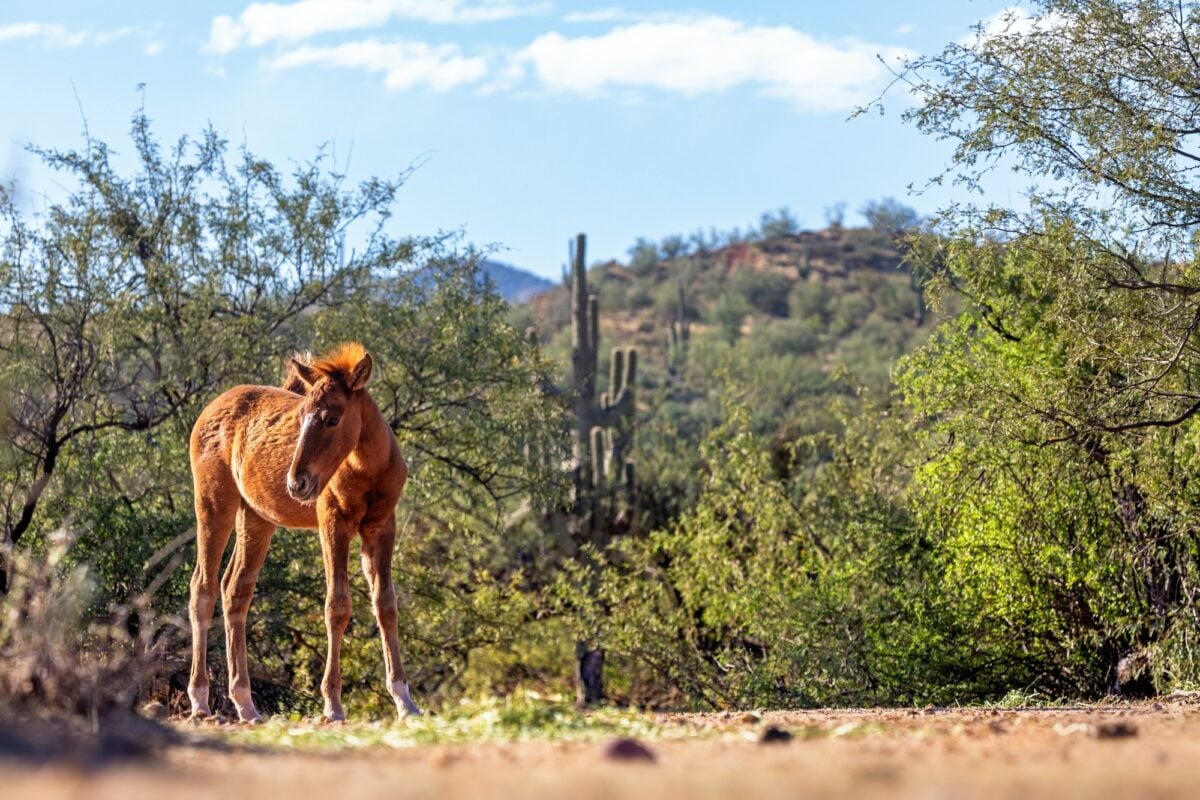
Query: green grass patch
point(494, 720)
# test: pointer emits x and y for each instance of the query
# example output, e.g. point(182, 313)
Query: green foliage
point(812, 300)
point(837, 503)
point(1060, 522)
point(766, 292)
point(891, 217)
point(643, 257)
point(778, 223)
point(779, 589)
point(728, 315)
point(1092, 95)
point(142, 295)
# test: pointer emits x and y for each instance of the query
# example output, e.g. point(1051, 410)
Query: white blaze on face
point(310, 421)
point(303, 450)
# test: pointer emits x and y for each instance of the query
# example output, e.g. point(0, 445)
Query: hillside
point(839, 297)
point(800, 325)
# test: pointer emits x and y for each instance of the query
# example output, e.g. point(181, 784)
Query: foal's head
point(330, 417)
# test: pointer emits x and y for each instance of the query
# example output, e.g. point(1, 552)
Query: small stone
point(1158, 707)
point(774, 735)
point(628, 750)
point(750, 718)
point(1114, 730)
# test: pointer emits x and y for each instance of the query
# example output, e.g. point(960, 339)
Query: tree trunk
point(589, 675)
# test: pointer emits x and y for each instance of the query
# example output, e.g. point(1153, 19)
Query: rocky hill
point(799, 325)
point(839, 296)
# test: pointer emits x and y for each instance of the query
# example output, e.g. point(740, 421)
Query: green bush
point(767, 292)
point(811, 299)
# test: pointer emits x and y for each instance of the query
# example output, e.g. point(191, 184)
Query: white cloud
point(153, 48)
point(712, 54)
point(53, 35)
point(405, 65)
point(1012, 21)
point(610, 14)
point(619, 14)
point(906, 28)
point(262, 23)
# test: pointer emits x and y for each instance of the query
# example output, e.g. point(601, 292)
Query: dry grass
point(69, 680)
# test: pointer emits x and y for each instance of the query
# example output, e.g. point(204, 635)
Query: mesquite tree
point(140, 294)
point(1081, 348)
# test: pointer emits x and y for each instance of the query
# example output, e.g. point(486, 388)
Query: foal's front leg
point(335, 546)
point(377, 547)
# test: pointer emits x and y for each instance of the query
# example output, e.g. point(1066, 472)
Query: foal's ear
point(305, 372)
point(361, 374)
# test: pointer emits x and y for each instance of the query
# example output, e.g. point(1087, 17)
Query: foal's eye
point(333, 421)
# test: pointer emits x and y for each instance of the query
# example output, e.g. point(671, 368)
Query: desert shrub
point(765, 291)
point(727, 315)
point(792, 336)
point(811, 300)
point(757, 596)
point(666, 299)
point(612, 293)
point(643, 257)
point(781, 222)
point(639, 297)
point(850, 310)
point(896, 300)
point(57, 655)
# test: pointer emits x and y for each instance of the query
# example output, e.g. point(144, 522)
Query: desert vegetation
point(917, 462)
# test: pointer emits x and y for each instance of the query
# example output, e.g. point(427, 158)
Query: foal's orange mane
point(340, 361)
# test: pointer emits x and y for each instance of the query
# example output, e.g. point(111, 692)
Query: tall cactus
point(602, 436)
point(679, 333)
point(602, 443)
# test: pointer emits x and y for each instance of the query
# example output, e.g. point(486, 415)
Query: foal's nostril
point(298, 486)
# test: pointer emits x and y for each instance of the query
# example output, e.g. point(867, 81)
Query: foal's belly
point(262, 480)
point(286, 513)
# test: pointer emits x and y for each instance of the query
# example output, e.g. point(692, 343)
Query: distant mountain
point(515, 285)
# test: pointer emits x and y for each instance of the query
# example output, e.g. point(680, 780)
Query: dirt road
point(1143, 751)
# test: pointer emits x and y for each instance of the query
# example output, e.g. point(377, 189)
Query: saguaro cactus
point(679, 333)
point(602, 436)
point(602, 443)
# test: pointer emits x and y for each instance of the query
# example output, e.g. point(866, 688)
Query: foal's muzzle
point(302, 487)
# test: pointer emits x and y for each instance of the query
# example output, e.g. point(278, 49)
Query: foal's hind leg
point(377, 546)
point(237, 589)
point(216, 505)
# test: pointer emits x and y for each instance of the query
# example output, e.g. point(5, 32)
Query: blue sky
point(531, 119)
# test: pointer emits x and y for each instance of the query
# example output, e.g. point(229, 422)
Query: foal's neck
point(375, 435)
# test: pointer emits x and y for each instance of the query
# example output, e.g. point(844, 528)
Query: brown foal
point(317, 454)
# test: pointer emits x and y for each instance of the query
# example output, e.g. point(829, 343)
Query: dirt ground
point(1149, 750)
